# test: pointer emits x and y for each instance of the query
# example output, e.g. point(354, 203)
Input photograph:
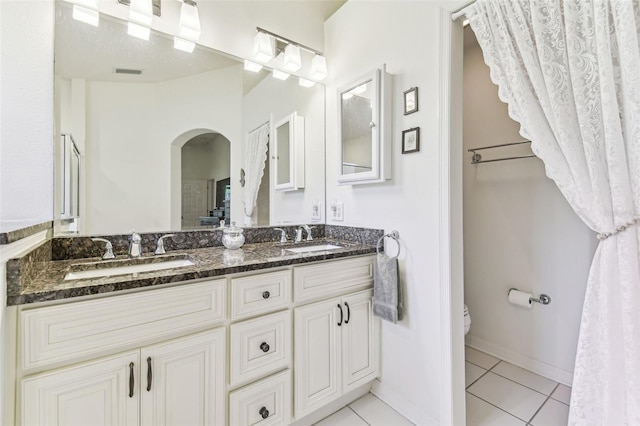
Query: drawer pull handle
point(341, 314)
point(264, 346)
point(348, 313)
point(266, 295)
point(131, 380)
point(149, 374)
point(264, 412)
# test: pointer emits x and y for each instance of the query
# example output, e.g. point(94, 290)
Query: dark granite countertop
point(12, 231)
point(49, 284)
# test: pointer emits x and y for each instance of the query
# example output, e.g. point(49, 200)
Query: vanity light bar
point(280, 75)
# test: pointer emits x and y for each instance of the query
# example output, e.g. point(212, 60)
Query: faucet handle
point(283, 235)
point(308, 229)
point(108, 247)
point(160, 244)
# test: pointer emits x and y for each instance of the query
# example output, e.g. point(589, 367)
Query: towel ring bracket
point(395, 235)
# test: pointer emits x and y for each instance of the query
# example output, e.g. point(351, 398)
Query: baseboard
point(401, 405)
point(542, 368)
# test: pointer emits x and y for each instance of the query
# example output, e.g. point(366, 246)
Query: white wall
point(518, 232)
point(273, 99)
point(360, 36)
point(131, 130)
point(26, 111)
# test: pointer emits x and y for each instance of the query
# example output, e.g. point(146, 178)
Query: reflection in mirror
point(289, 153)
point(365, 129)
point(357, 139)
point(206, 185)
point(137, 110)
point(282, 157)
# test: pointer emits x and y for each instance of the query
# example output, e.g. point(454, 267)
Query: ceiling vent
point(127, 71)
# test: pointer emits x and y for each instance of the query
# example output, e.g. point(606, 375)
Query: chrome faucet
point(283, 234)
point(135, 244)
point(298, 234)
point(160, 244)
point(308, 229)
point(108, 247)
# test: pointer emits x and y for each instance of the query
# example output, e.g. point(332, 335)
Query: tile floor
point(367, 410)
point(499, 393)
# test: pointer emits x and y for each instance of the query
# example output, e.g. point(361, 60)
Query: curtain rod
point(459, 12)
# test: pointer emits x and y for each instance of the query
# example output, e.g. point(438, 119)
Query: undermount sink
point(125, 267)
point(308, 249)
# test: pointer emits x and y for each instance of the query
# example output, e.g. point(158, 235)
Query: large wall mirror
point(162, 134)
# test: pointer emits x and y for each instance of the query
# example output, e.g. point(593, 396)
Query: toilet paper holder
point(543, 298)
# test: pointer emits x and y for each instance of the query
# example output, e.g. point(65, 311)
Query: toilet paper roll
point(520, 298)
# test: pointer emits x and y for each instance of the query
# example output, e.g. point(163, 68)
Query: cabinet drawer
point(260, 346)
point(77, 330)
point(267, 402)
point(260, 294)
point(332, 278)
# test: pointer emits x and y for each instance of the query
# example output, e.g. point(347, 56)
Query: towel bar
point(395, 235)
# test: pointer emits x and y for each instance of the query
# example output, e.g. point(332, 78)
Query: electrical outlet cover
point(338, 213)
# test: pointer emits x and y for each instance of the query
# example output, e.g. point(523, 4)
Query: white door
point(183, 381)
point(194, 202)
point(102, 392)
point(359, 341)
point(317, 355)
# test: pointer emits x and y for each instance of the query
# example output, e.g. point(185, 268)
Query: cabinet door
point(317, 355)
point(359, 341)
point(183, 381)
point(103, 392)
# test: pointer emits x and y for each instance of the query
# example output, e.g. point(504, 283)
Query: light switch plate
point(338, 213)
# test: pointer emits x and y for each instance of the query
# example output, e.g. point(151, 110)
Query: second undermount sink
point(125, 267)
point(308, 249)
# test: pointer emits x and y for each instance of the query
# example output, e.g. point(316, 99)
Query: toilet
point(467, 320)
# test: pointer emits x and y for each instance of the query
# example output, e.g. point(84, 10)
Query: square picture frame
point(411, 140)
point(411, 101)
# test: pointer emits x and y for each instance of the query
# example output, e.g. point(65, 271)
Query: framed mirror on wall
point(161, 132)
point(364, 108)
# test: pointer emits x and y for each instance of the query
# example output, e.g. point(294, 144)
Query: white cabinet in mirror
point(288, 153)
point(364, 128)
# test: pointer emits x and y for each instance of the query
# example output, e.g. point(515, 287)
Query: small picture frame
point(411, 140)
point(411, 101)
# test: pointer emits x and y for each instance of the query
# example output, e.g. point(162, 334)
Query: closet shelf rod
point(497, 146)
point(474, 161)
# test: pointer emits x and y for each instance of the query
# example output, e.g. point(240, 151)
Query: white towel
point(387, 295)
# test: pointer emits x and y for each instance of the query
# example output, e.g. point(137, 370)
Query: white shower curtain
point(255, 154)
point(570, 74)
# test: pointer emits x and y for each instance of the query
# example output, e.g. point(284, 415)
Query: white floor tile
point(552, 413)
point(525, 377)
point(562, 394)
point(481, 413)
point(472, 373)
point(377, 413)
point(511, 397)
point(344, 417)
point(480, 358)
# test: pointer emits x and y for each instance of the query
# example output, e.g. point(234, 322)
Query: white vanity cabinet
point(335, 349)
point(266, 347)
point(178, 382)
point(336, 339)
point(137, 358)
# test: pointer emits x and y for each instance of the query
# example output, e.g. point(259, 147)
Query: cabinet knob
point(266, 295)
point(372, 124)
point(264, 346)
point(264, 412)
